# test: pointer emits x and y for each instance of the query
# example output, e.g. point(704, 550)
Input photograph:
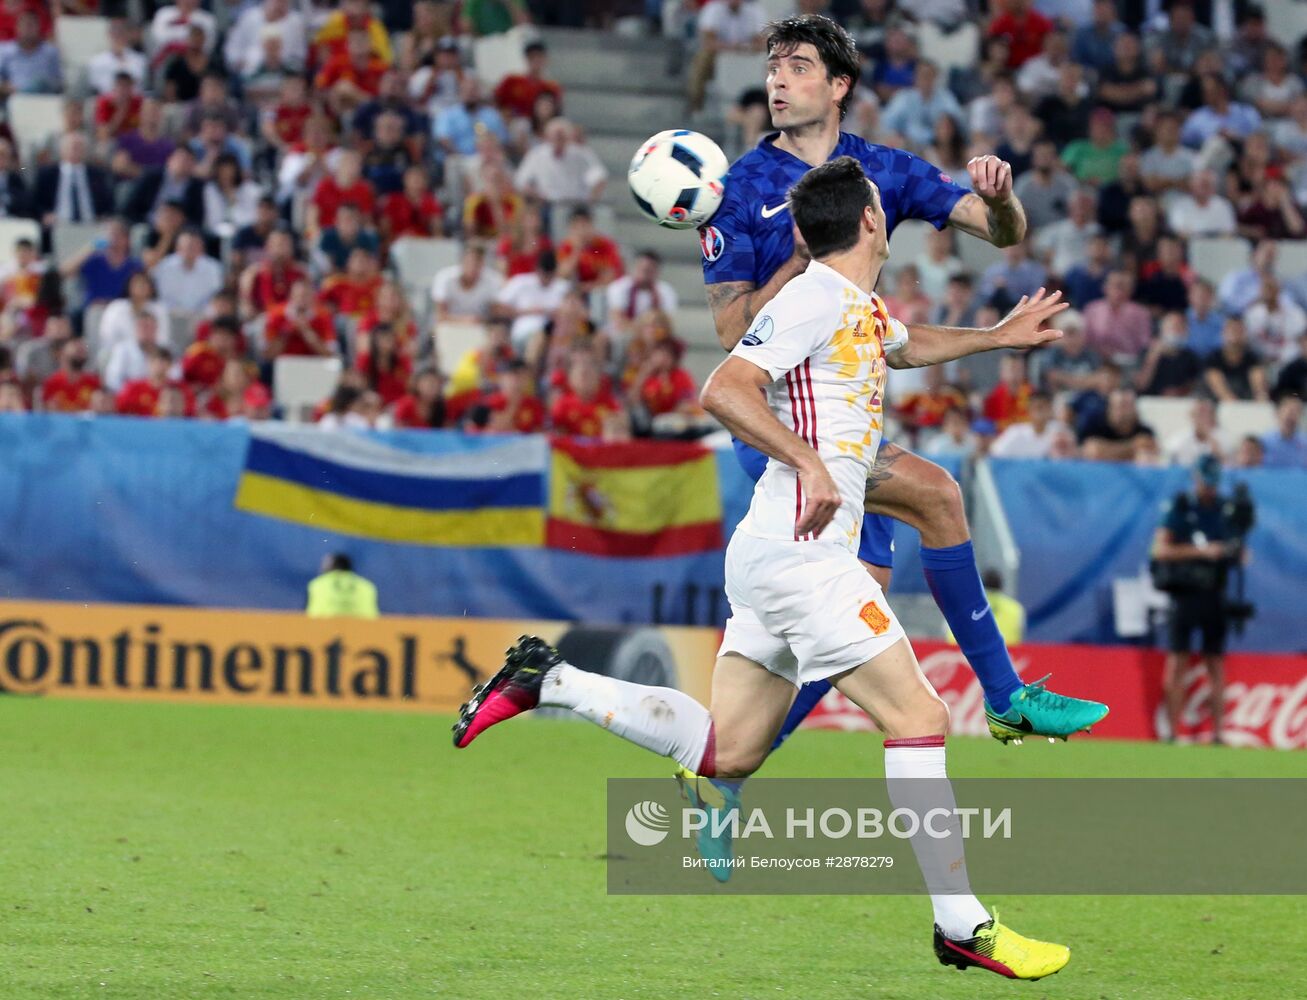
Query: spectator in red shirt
point(353, 77)
point(516, 94)
point(282, 124)
point(413, 211)
point(70, 388)
point(204, 361)
point(300, 327)
point(424, 406)
point(587, 256)
point(512, 408)
point(268, 283)
point(353, 293)
point(488, 213)
point(141, 397)
point(11, 10)
point(384, 365)
point(925, 410)
point(119, 110)
point(221, 307)
point(238, 395)
point(1009, 401)
point(666, 387)
point(520, 249)
point(585, 409)
point(391, 312)
point(1023, 27)
point(344, 186)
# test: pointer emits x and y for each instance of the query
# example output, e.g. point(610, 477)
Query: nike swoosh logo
point(1022, 725)
point(767, 213)
point(977, 615)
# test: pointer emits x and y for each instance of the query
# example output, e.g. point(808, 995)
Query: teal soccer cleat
point(719, 799)
point(1036, 711)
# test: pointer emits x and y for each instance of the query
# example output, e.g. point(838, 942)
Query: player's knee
point(929, 716)
point(736, 763)
point(942, 502)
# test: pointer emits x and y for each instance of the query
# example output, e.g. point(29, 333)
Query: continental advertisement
point(143, 653)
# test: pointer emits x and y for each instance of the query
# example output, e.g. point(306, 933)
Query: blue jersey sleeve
point(727, 241)
point(925, 191)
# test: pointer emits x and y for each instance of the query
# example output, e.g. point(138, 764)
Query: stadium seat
point(1166, 415)
point(181, 330)
point(33, 119)
point(71, 237)
point(13, 230)
point(958, 48)
point(417, 260)
point(91, 328)
point(79, 40)
point(1290, 258)
point(777, 8)
point(1213, 257)
point(734, 73)
point(976, 254)
point(453, 340)
point(496, 56)
point(299, 384)
point(1286, 22)
point(1240, 417)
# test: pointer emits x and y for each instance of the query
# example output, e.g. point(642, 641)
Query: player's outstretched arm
point(1019, 330)
point(991, 211)
point(732, 395)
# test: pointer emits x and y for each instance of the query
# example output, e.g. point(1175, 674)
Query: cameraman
point(1197, 543)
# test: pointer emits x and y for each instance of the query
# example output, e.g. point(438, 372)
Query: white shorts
point(804, 610)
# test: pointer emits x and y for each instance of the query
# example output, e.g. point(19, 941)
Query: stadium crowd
point(258, 166)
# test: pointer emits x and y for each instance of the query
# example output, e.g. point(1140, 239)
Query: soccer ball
point(676, 178)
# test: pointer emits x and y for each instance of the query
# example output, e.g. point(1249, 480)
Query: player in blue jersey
point(750, 253)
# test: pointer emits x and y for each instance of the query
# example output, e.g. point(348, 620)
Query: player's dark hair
point(834, 45)
point(340, 561)
point(827, 205)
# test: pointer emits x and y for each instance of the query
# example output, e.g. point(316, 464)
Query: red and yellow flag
point(645, 499)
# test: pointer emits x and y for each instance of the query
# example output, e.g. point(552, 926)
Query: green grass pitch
point(175, 852)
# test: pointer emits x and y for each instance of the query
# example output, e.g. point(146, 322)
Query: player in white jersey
point(805, 387)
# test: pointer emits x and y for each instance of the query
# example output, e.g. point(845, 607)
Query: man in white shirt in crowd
point(1032, 439)
point(1201, 212)
point(562, 170)
point(187, 278)
point(1065, 244)
point(119, 57)
point(530, 299)
point(1239, 289)
point(464, 292)
point(1166, 165)
point(172, 25)
point(244, 48)
point(723, 26)
point(1274, 322)
point(130, 358)
point(636, 293)
point(1201, 437)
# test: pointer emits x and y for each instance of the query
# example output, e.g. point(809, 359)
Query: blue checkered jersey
point(750, 236)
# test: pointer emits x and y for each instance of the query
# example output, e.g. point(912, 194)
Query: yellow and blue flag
point(491, 496)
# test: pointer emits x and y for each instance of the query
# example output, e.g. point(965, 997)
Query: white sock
point(942, 860)
point(664, 720)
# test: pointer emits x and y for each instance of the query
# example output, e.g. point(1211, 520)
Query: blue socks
point(955, 584)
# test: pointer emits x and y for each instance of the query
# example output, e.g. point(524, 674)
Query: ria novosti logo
point(647, 823)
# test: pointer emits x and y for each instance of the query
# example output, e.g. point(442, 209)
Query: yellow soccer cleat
point(1001, 949)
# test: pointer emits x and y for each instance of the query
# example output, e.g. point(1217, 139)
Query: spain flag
point(645, 499)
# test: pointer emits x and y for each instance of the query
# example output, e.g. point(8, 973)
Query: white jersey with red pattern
point(824, 342)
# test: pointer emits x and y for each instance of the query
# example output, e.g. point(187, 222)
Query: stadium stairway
point(619, 90)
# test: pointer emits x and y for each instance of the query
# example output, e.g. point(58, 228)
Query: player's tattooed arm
point(992, 211)
point(734, 304)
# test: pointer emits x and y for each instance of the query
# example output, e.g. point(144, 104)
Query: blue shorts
point(877, 543)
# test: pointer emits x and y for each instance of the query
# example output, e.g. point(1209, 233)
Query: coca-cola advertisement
point(1265, 695)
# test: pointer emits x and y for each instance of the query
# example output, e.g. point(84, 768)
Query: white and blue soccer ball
point(677, 178)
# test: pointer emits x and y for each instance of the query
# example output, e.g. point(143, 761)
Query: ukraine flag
point(486, 496)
